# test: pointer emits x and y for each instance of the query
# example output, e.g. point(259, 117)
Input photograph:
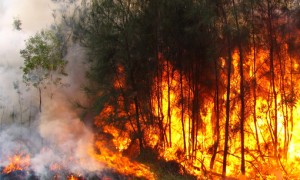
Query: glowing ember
point(73, 177)
point(17, 162)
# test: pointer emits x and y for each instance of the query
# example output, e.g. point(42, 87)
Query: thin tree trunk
point(290, 132)
point(242, 93)
point(169, 120)
point(227, 112)
point(189, 116)
point(195, 111)
point(254, 79)
point(217, 112)
point(21, 108)
point(229, 61)
point(273, 86)
point(182, 111)
point(40, 95)
point(137, 117)
point(284, 104)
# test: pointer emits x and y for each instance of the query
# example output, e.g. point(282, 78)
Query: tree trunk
point(242, 93)
point(182, 111)
point(137, 117)
point(229, 60)
point(169, 120)
point(217, 112)
point(40, 95)
point(273, 86)
point(254, 78)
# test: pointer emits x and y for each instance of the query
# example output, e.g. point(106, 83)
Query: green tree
point(43, 61)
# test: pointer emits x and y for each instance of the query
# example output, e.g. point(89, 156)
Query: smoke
point(56, 135)
point(34, 15)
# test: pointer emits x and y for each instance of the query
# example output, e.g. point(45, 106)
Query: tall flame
point(259, 123)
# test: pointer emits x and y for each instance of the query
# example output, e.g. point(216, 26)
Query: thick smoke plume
point(56, 135)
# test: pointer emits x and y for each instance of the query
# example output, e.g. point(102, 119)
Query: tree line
point(239, 56)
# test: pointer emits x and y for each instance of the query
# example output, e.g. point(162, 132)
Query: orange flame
point(121, 164)
point(17, 162)
point(73, 177)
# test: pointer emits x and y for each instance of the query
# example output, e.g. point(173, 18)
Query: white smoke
point(56, 135)
point(34, 15)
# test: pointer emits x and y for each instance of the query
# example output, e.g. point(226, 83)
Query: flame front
point(17, 162)
point(187, 130)
point(188, 118)
point(121, 164)
point(269, 153)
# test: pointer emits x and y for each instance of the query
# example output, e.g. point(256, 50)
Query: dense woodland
point(211, 84)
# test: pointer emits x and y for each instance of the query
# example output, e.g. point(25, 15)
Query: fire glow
point(17, 162)
point(196, 155)
point(261, 162)
point(180, 116)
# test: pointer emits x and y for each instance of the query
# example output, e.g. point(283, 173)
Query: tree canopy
point(43, 61)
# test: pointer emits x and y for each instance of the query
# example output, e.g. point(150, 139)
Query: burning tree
point(203, 87)
point(210, 85)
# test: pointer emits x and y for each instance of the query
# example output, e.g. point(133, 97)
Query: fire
point(186, 117)
point(185, 128)
point(17, 162)
point(263, 135)
point(73, 177)
point(120, 163)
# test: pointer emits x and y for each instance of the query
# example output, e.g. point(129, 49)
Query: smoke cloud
point(56, 135)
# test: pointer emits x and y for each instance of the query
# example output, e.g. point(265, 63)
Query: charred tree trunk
point(273, 86)
point(159, 104)
point(291, 129)
point(137, 118)
point(229, 61)
point(195, 109)
point(217, 113)
point(137, 110)
point(283, 104)
point(169, 120)
point(254, 78)
point(242, 93)
point(159, 70)
point(189, 116)
point(182, 111)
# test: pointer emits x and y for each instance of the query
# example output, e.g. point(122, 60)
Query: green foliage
point(43, 61)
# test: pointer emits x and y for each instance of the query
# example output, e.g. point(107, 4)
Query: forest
point(185, 89)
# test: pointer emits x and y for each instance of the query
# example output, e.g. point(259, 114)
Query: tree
point(242, 90)
point(43, 61)
point(17, 24)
